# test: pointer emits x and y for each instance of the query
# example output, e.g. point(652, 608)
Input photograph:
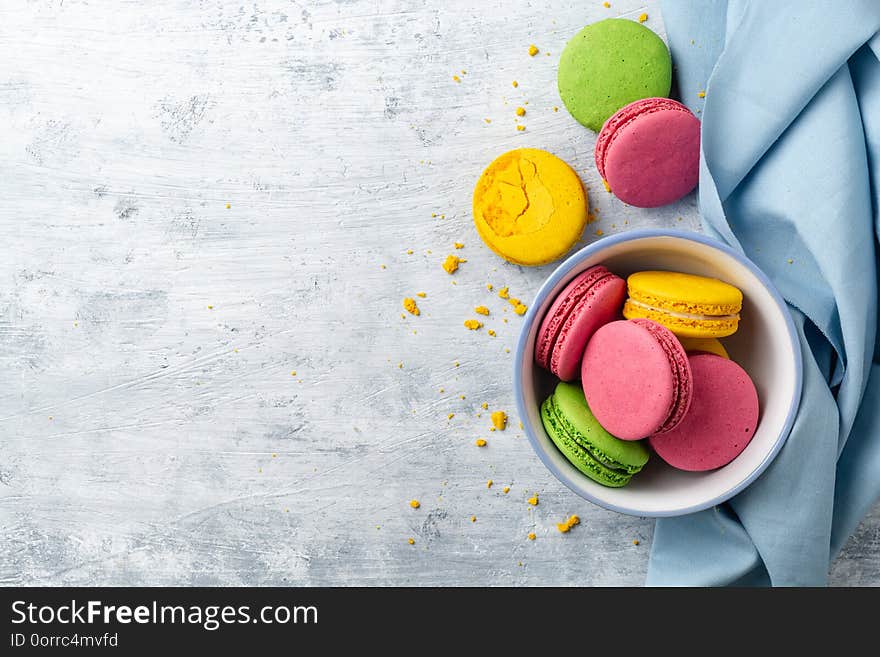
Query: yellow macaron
point(529, 206)
point(707, 345)
point(689, 306)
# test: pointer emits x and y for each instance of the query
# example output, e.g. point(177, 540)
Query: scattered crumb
point(564, 527)
point(643, 18)
point(533, 50)
point(635, 541)
point(520, 128)
point(473, 518)
point(485, 406)
point(411, 541)
point(455, 78)
point(489, 483)
point(701, 94)
point(414, 504)
point(228, 205)
point(515, 84)
point(481, 310)
point(409, 304)
point(532, 536)
point(499, 420)
point(607, 186)
point(790, 261)
point(488, 120)
point(450, 265)
point(457, 364)
point(600, 232)
point(292, 372)
point(383, 266)
point(450, 416)
point(421, 294)
point(520, 111)
point(507, 350)
point(505, 490)
point(519, 563)
point(504, 293)
point(491, 332)
point(400, 365)
point(210, 307)
point(480, 442)
point(462, 396)
point(433, 214)
point(520, 309)
point(555, 108)
point(472, 324)
point(607, 5)
point(458, 245)
point(533, 500)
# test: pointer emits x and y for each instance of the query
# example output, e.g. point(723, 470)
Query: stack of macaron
point(614, 77)
point(653, 374)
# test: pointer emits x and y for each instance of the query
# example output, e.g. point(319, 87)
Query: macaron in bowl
point(766, 346)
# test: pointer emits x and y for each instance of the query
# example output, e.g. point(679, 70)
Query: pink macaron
point(593, 298)
point(636, 378)
point(648, 152)
point(721, 421)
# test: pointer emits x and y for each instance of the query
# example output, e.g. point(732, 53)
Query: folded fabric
point(790, 175)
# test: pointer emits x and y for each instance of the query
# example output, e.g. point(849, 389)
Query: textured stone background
point(152, 430)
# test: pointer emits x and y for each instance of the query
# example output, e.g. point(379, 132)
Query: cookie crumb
point(520, 128)
point(505, 490)
point(481, 310)
point(450, 416)
point(414, 504)
point(485, 406)
point(457, 364)
point(411, 541)
point(480, 442)
point(488, 120)
point(555, 108)
point(520, 111)
point(472, 324)
point(491, 332)
point(455, 78)
point(600, 232)
point(701, 94)
point(473, 518)
point(607, 5)
point(520, 309)
point(643, 18)
point(458, 245)
point(504, 293)
point(790, 261)
point(499, 420)
point(409, 304)
point(292, 372)
point(450, 265)
point(565, 527)
point(228, 205)
point(635, 541)
point(532, 536)
point(607, 186)
point(533, 500)
point(383, 266)
point(515, 84)
point(421, 294)
point(489, 483)
point(533, 50)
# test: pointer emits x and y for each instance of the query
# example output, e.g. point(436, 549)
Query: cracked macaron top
point(529, 206)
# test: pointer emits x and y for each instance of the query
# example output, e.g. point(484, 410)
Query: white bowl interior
point(762, 346)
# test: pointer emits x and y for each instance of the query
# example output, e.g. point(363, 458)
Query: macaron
point(529, 206)
point(648, 152)
point(591, 449)
point(636, 378)
point(690, 306)
point(610, 64)
point(704, 345)
point(720, 422)
point(593, 298)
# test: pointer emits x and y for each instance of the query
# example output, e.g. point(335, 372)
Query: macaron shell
point(704, 345)
point(628, 380)
point(600, 305)
point(681, 372)
point(559, 311)
point(609, 64)
point(721, 421)
point(529, 206)
point(654, 158)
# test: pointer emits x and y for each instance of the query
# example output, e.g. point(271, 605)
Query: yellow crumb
point(463, 72)
point(563, 527)
point(491, 428)
point(600, 232)
point(480, 442)
point(533, 500)
point(520, 309)
point(442, 390)
point(520, 426)
point(507, 350)
point(450, 265)
point(472, 324)
point(228, 205)
point(607, 186)
point(485, 406)
point(481, 310)
point(532, 536)
point(400, 366)
point(411, 541)
point(473, 518)
point(458, 245)
point(520, 111)
point(499, 420)
point(607, 5)
point(503, 293)
point(491, 332)
point(643, 18)
point(421, 294)
point(450, 416)
point(515, 84)
point(457, 364)
point(505, 490)
point(488, 120)
point(635, 541)
point(455, 78)
point(701, 94)
point(433, 214)
point(382, 266)
point(210, 307)
point(293, 373)
point(520, 128)
point(574, 520)
point(462, 396)
point(790, 261)
point(555, 108)
point(489, 483)
point(533, 50)
point(414, 504)
point(409, 305)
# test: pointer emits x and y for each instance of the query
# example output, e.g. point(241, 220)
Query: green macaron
point(582, 440)
point(610, 64)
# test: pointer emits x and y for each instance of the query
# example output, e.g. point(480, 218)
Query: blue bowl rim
point(562, 271)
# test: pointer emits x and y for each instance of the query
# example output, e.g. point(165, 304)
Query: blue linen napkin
point(790, 175)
